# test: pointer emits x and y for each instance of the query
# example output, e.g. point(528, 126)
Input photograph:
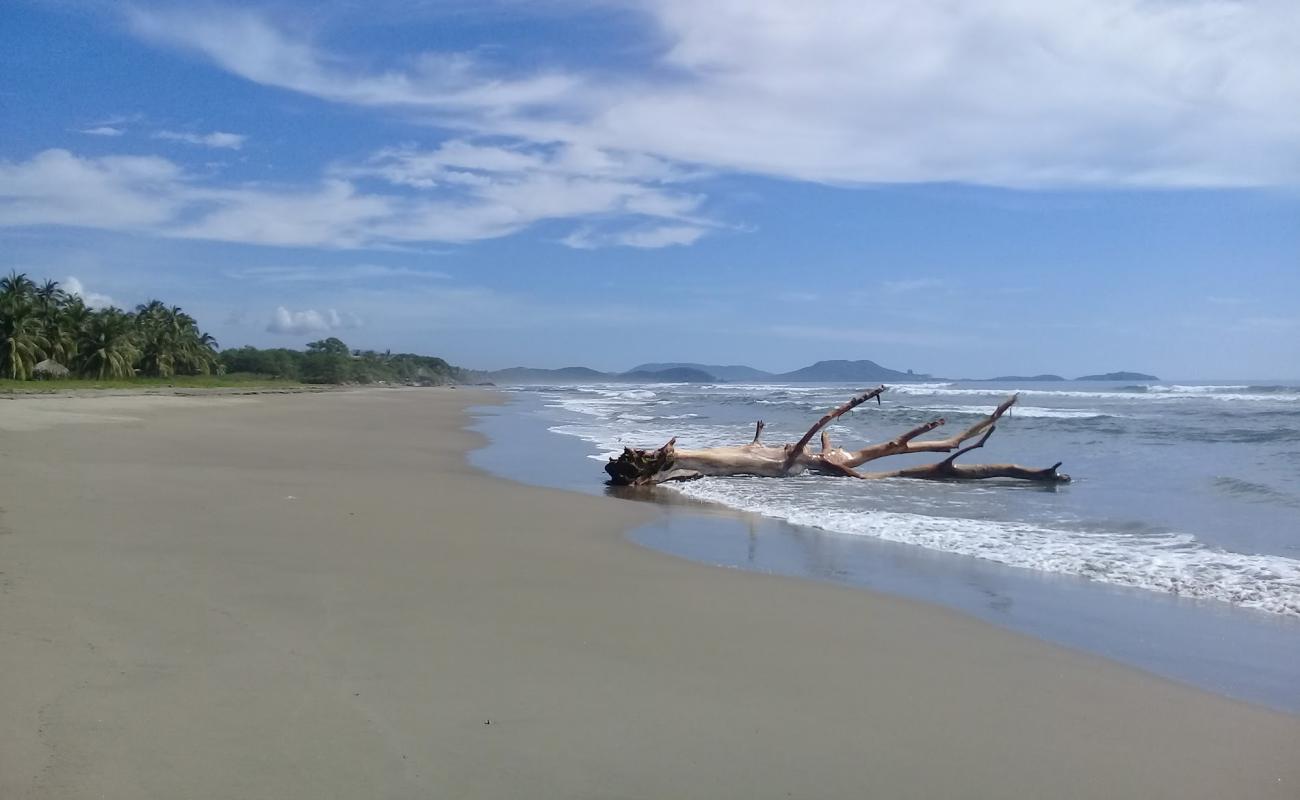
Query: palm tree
point(49, 297)
point(204, 356)
point(161, 340)
point(45, 321)
point(21, 342)
point(73, 318)
point(171, 342)
point(16, 287)
point(107, 344)
point(58, 326)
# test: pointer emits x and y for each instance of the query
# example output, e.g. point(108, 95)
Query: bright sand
point(313, 596)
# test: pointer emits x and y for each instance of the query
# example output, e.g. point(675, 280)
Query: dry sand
point(313, 596)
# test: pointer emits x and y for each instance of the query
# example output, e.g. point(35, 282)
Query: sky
point(962, 189)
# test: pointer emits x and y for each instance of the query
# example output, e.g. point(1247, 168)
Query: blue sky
point(1078, 186)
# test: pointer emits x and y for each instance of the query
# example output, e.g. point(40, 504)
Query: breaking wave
point(1174, 563)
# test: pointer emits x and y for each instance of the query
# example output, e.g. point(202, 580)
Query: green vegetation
point(330, 361)
point(46, 332)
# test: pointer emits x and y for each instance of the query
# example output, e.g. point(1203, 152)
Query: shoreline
point(1239, 653)
point(320, 603)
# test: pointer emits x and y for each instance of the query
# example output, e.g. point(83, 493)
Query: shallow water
point(1177, 547)
point(1186, 489)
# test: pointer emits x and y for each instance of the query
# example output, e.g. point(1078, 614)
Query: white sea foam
point(1198, 389)
point(611, 440)
point(1020, 411)
point(1148, 396)
point(612, 417)
point(1174, 563)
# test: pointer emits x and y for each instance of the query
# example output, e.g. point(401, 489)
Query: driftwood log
point(646, 467)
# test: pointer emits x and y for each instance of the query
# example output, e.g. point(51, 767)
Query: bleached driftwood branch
point(645, 467)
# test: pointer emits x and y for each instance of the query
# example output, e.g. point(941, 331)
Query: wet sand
point(309, 596)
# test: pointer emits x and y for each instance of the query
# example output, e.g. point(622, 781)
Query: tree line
point(43, 325)
point(330, 361)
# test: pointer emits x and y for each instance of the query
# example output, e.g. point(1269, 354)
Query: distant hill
point(1119, 376)
point(533, 375)
point(856, 371)
point(1025, 378)
point(588, 375)
point(732, 372)
point(667, 375)
point(668, 372)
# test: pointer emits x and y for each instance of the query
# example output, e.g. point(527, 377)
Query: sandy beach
point(314, 596)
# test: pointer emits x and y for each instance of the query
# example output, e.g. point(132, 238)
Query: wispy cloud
point(102, 130)
point(247, 45)
point(912, 285)
point(1075, 92)
point(1072, 93)
point(495, 193)
point(505, 188)
point(644, 238)
point(217, 139)
point(353, 273)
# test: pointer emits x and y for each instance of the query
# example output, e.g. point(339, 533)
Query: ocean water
point(1176, 549)
point(1185, 489)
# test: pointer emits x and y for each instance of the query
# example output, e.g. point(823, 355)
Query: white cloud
point(246, 45)
point(353, 273)
point(231, 141)
point(73, 286)
point(56, 187)
point(297, 323)
point(464, 162)
point(333, 214)
point(510, 190)
point(102, 130)
point(912, 285)
point(646, 238)
point(491, 190)
point(1005, 92)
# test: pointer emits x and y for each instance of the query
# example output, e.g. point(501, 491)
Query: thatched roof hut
point(50, 369)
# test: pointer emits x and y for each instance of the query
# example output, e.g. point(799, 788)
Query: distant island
point(850, 371)
point(1119, 376)
point(832, 371)
point(677, 372)
point(730, 373)
point(588, 375)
